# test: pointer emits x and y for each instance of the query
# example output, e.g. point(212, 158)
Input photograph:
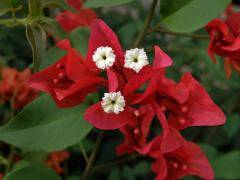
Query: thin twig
point(114, 163)
point(190, 35)
point(146, 24)
point(13, 21)
point(92, 157)
point(83, 152)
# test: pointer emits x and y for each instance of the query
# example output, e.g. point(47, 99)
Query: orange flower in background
point(14, 87)
point(70, 20)
point(56, 158)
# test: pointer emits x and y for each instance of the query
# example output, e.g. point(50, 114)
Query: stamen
point(55, 80)
point(182, 120)
point(62, 75)
point(184, 167)
point(175, 165)
point(136, 132)
point(60, 66)
point(137, 113)
point(184, 109)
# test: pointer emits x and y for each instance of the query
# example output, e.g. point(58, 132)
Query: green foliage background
point(221, 144)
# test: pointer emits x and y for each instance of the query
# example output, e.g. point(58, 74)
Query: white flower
point(135, 59)
point(113, 102)
point(104, 57)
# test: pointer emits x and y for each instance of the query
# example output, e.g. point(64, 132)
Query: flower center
point(113, 102)
point(135, 59)
point(104, 57)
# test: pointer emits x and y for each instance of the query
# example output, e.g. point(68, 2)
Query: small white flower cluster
point(135, 59)
point(104, 58)
point(113, 102)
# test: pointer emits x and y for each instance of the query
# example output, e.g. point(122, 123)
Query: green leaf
point(104, 3)
point(59, 3)
point(227, 166)
point(167, 7)
point(5, 6)
point(35, 8)
point(210, 151)
point(114, 174)
point(41, 126)
point(37, 39)
point(16, 3)
point(52, 27)
point(194, 15)
point(36, 172)
point(232, 126)
point(141, 169)
point(79, 39)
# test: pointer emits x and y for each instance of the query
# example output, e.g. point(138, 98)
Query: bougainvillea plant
point(102, 85)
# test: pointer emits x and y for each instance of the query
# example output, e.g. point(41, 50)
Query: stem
point(10, 158)
point(191, 35)
point(83, 152)
point(146, 23)
point(13, 21)
point(114, 163)
point(93, 156)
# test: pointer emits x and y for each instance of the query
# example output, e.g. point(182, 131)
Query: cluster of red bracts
point(71, 20)
point(225, 40)
point(14, 87)
point(125, 107)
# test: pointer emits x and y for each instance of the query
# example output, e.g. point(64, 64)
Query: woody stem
point(93, 156)
point(114, 163)
point(13, 21)
point(146, 23)
point(83, 152)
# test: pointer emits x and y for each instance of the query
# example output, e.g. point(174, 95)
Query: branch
point(13, 22)
point(92, 157)
point(114, 163)
point(146, 24)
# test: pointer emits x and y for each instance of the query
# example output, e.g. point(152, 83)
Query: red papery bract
point(136, 135)
point(102, 35)
point(198, 109)
point(108, 121)
point(186, 161)
point(71, 20)
point(68, 81)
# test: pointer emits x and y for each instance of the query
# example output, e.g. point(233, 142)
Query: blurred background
point(221, 144)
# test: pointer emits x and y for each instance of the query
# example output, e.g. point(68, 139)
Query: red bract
point(102, 35)
point(68, 81)
point(56, 158)
point(186, 103)
point(71, 20)
point(225, 40)
point(197, 110)
point(14, 87)
point(136, 135)
point(185, 161)
point(123, 79)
